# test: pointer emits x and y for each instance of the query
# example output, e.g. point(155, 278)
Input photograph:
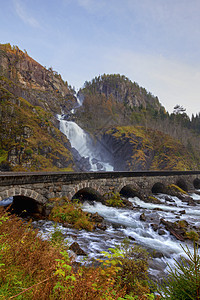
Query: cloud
point(174, 82)
point(24, 15)
point(92, 6)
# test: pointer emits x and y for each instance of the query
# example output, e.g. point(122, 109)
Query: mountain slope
point(135, 128)
point(120, 116)
point(30, 97)
point(137, 148)
point(28, 140)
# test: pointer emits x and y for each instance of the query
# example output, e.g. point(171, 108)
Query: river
point(123, 223)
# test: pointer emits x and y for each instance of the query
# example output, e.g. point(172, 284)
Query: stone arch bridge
point(37, 188)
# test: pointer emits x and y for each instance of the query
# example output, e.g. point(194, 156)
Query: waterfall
point(81, 141)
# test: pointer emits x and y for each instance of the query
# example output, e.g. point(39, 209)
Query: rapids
point(125, 223)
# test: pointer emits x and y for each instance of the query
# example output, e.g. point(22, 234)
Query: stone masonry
point(43, 186)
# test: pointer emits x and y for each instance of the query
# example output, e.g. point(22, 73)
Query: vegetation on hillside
point(30, 96)
point(148, 149)
point(113, 101)
point(29, 141)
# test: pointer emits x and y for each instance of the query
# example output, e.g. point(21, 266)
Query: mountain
point(134, 127)
point(125, 121)
point(30, 97)
point(115, 100)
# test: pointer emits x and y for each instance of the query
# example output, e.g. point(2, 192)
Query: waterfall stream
point(90, 156)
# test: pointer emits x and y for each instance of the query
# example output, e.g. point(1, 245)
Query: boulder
point(77, 249)
point(96, 218)
point(175, 229)
point(154, 226)
point(143, 217)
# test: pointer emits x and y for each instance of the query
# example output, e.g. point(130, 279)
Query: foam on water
point(125, 222)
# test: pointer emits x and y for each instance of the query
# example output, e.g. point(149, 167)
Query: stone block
point(23, 192)
point(4, 194)
point(11, 192)
point(50, 195)
point(58, 188)
point(29, 193)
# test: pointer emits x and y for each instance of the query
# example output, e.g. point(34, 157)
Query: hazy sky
point(153, 42)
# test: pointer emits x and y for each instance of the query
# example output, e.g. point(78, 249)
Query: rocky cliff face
point(24, 77)
point(30, 98)
point(122, 89)
point(136, 148)
point(28, 140)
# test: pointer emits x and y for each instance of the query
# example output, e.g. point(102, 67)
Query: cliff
point(136, 148)
point(28, 140)
point(26, 78)
point(30, 97)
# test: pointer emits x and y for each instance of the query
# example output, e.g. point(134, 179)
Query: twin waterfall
point(89, 156)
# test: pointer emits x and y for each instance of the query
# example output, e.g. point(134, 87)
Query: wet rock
point(101, 226)
point(143, 217)
point(176, 229)
point(168, 199)
point(131, 238)
point(77, 249)
point(191, 202)
point(157, 254)
point(151, 199)
point(157, 208)
point(96, 218)
point(99, 166)
point(65, 224)
point(182, 212)
point(161, 232)
point(127, 203)
point(154, 226)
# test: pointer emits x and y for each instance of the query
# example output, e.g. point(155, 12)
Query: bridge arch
point(158, 187)
point(24, 200)
point(196, 183)
point(89, 194)
point(130, 191)
point(12, 192)
point(182, 184)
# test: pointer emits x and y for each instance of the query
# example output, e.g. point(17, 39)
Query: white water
point(125, 222)
point(81, 141)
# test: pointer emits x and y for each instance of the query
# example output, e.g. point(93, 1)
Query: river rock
point(101, 226)
point(161, 232)
point(77, 249)
point(96, 218)
point(191, 202)
point(154, 226)
point(143, 217)
point(175, 229)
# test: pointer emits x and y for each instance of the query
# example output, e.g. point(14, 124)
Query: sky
point(155, 43)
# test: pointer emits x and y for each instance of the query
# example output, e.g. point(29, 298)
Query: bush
point(114, 199)
point(184, 280)
point(31, 268)
point(71, 212)
point(129, 268)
